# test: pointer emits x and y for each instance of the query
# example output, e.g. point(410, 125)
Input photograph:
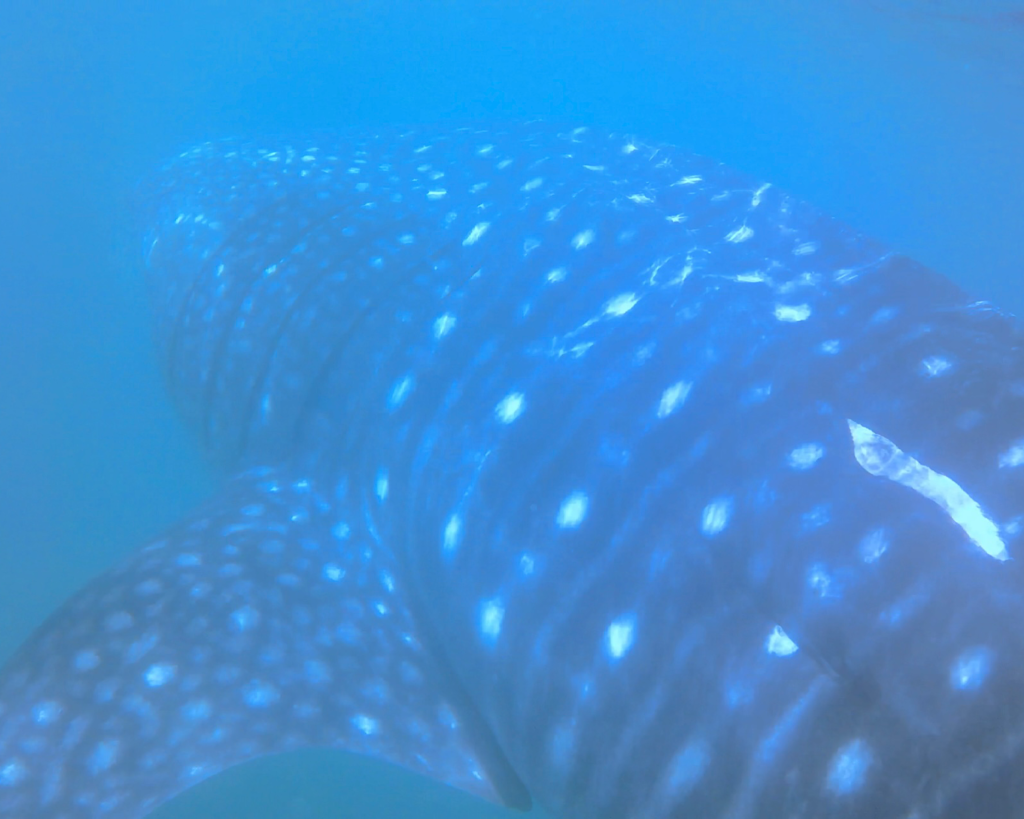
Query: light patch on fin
point(880, 456)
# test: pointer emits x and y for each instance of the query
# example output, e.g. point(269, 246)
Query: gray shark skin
point(572, 470)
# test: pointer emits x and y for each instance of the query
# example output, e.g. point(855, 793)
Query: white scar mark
point(880, 456)
point(615, 307)
point(654, 269)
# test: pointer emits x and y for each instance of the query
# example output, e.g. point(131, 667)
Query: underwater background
point(902, 117)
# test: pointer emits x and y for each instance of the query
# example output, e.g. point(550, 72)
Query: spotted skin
point(575, 470)
point(267, 622)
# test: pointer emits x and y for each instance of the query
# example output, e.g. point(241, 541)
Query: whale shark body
point(572, 470)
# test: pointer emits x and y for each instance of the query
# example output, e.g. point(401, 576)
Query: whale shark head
point(570, 470)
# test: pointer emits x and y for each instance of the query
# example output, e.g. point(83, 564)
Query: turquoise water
point(905, 118)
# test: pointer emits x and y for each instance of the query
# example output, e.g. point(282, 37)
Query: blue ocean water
point(903, 117)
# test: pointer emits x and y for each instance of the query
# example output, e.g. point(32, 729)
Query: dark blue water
point(905, 118)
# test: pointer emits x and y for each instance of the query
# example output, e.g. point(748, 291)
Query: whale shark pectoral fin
point(266, 623)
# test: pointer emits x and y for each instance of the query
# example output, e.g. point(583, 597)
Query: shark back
point(661, 493)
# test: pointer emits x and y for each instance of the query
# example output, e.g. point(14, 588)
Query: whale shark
point(568, 469)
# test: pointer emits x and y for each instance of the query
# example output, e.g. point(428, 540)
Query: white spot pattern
point(848, 769)
point(619, 637)
point(971, 669)
point(443, 325)
point(381, 485)
point(805, 456)
point(573, 510)
point(686, 769)
point(12, 773)
point(452, 535)
point(583, 239)
point(1014, 456)
point(365, 725)
point(673, 398)
point(244, 618)
point(492, 613)
point(47, 712)
point(510, 407)
point(400, 391)
point(160, 674)
point(476, 233)
point(716, 516)
point(86, 660)
point(792, 313)
point(873, 545)
point(260, 694)
point(935, 365)
point(621, 304)
point(780, 644)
